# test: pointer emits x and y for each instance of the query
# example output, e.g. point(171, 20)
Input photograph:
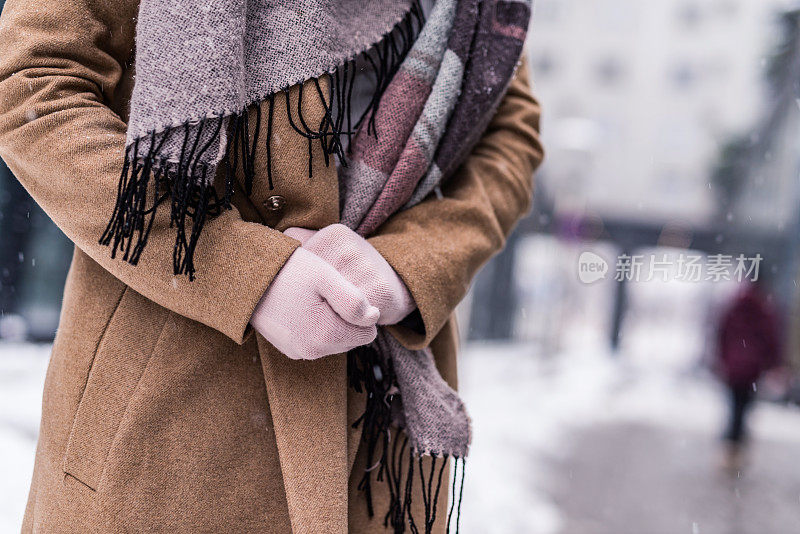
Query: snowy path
point(638, 478)
point(585, 444)
point(576, 444)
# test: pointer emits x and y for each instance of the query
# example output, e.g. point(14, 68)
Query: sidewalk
point(585, 443)
point(641, 479)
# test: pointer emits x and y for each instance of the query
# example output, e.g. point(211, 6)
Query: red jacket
point(749, 341)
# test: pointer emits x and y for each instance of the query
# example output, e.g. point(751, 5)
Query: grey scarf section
point(198, 60)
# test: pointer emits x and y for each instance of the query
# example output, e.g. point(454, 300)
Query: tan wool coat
point(163, 411)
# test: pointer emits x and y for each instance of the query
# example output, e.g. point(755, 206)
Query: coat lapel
point(308, 400)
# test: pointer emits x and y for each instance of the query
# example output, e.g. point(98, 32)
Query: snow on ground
point(528, 410)
point(22, 369)
point(526, 407)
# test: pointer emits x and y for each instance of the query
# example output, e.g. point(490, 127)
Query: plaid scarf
point(438, 82)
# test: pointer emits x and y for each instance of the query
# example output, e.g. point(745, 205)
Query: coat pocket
point(119, 363)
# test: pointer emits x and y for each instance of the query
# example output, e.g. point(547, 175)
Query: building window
point(728, 8)
point(690, 15)
point(609, 71)
point(683, 75)
point(548, 10)
point(544, 65)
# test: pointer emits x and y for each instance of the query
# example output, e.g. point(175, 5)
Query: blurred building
point(647, 107)
point(34, 258)
point(639, 96)
point(764, 195)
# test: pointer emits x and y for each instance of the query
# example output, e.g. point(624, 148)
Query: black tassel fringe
point(147, 181)
point(370, 372)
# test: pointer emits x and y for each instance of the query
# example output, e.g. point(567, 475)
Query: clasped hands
point(330, 295)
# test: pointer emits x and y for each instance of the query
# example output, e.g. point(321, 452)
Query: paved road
point(637, 479)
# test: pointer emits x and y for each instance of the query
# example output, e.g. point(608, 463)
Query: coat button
point(275, 203)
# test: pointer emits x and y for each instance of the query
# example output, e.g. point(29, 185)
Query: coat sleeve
point(61, 62)
point(438, 245)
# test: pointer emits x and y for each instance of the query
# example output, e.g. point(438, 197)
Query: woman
point(219, 401)
point(748, 345)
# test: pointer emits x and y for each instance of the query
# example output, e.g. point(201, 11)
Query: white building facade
point(639, 95)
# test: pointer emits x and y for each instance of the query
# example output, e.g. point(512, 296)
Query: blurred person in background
point(748, 345)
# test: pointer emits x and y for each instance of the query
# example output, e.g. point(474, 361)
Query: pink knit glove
point(361, 264)
point(309, 310)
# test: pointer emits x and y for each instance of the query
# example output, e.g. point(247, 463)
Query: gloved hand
point(310, 310)
point(359, 262)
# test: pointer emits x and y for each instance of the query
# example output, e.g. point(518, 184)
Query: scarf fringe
point(370, 372)
point(147, 180)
